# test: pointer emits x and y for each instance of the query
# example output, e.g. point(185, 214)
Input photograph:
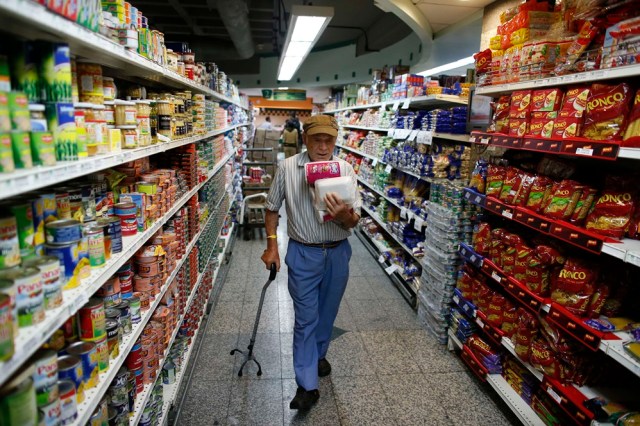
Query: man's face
point(320, 146)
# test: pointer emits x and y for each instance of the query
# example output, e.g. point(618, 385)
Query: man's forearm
point(271, 226)
point(352, 221)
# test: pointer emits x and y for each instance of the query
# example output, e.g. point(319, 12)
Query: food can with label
point(45, 376)
point(92, 320)
point(114, 337)
point(51, 412)
point(113, 228)
point(88, 202)
point(129, 224)
point(70, 368)
point(103, 354)
point(63, 231)
point(125, 317)
point(49, 207)
point(62, 204)
point(9, 245)
point(52, 279)
point(37, 208)
point(134, 305)
point(23, 212)
point(95, 238)
point(29, 294)
point(68, 402)
point(70, 262)
point(87, 352)
point(7, 345)
point(75, 203)
point(18, 401)
point(100, 415)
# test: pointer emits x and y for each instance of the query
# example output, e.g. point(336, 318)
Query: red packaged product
point(587, 198)
point(522, 194)
point(495, 179)
point(541, 127)
point(546, 100)
point(612, 213)
point(518, 127)
point(576, 98)
point(549, 255)
point(510, 185)
point(465, 283)
point(542, 357)
point(607, 111)
point(509, 319)
point(632, 133)
point(564, 200)
point(568, 124)
point(483, 59)
point(483, 298)
point(526, 331)
point(520, 104)
point(508, 259)
point(540, 188)
point(598, 300)
point(574, 286)
point(495, 309)
point(587, 33)
point(500, 123)
point(523, 256)
point(537, 277)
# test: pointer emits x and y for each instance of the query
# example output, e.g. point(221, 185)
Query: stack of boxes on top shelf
point(261, 175)
point(447, 215)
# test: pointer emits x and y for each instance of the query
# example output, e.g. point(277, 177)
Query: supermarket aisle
point(386, 369)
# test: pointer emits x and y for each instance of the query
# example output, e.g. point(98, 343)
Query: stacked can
point(45, 381)
point(18, 404)
point(118, 394)
point(153, 410)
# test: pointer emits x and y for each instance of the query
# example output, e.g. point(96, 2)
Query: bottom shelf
point(519, 407)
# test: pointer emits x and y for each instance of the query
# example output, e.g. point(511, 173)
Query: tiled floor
point(386, 369)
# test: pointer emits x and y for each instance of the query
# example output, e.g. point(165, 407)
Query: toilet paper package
point(343, 186)
point(322, 170)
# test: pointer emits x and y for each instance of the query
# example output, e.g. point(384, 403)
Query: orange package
point(576, 99)
point(520, 106)
point(518, 127)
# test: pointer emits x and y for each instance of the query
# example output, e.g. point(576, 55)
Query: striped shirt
point(302, 218)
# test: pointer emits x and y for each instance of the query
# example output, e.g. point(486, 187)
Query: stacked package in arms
point(448, 224)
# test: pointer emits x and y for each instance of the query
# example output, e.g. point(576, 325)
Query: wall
point(333, 67)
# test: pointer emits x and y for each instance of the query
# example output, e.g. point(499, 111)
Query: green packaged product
point(55, 72)
point(61, 121)
point(6, 154)
point(23, 212)
point(18, 402)
point(24, 70)
point(5, 76)
point(5, 117)
point(43, 149)
point(19, 111)
point(21, 146)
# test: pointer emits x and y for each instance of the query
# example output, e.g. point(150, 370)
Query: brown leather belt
point(329, 245)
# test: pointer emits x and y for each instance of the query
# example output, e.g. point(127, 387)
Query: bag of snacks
point(540, 188)
point(611, 215)
point(510, 185)
point(564, 200)
point(479, 176)
point(632, 134)
point(523, 256)
point(586, 35)
point(495, 179)
point(574, 286)
point(607, 110)
point(500, 122)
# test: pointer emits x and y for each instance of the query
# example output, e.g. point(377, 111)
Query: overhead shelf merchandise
point(116, 177)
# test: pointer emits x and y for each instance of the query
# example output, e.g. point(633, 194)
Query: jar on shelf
point(101, 128)
point(90, 87)
point(38, 119)
point(80, 113)
point(108, 88)
point(110, 113)
point(125, 113)
point(164, 117)
point(114, 138)
point(153, 121)
point(144, 124)
point(181, 68)
point(172, 60)
point(129, 136)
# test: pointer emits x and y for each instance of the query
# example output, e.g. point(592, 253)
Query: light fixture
point(450, 66)
point(306, 24)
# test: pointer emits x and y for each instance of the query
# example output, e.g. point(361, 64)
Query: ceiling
point(359, 22)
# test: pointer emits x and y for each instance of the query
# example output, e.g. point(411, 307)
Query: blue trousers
point(317, 281)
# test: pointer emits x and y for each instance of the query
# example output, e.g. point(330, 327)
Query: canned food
point(7, 345)
point(100, 415)
point(37, 207)
point(88, 202)
point(18, 402)
point(29, 294)
point(103, 354)
point(45, 376)
point(69, 256)
point(95, 238)
point(129, 225)
point(68, 403)
point(63, 231)
point(139, 380)
point(134, 359)
point(51, 412)
point(113, 338)
point(51, 275)
point(110, 292)
point(23, 212)
point(9, 245)
point(118, 394)
point(125, 317)
point(50, 208)
point(126, 284)
point(75, 204)
point(134, 305)
point(70, 368)
point(88, 354)
point(125, 209)
point(92, 320)
point(62, 204)
point(113, 229)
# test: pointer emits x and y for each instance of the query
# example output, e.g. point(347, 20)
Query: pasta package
point(523, 256)
point(520, 106)
point(574, 286)
point(607, 109)
point(510, 185)
point(540, 188)
point(587, 33)
point(522, 193)
point(576, 99)
point(612, 213)
point(546, 100)
point(541, 127)
point(632, 134)
point(518, 127)
point(568, 124)
point(583, 206)
point(495, 179)
point(564, 200)
point(483, 59)
point(500, 123)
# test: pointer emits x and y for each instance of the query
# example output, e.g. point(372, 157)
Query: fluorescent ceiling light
point(446, 67)
point(306, 24)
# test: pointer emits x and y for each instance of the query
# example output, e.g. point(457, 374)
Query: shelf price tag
point(374, 162)
point(419, 222)
point(391, 132)
point(403, 212)
point(391, 269)
point(496, 277)
point(584, 151)
point(406, 103)
point(381, 259)
point(413, 135)
point(410, 215)
point(425, 137)
point(388, 169)
point(395, 106)
point(508, 214)
point(456, 299)
point(553, 394)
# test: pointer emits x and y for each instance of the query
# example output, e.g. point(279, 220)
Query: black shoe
point(304, 399)
point(324, 368)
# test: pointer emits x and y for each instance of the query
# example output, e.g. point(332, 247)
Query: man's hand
point(337, 208)
point(271, 256)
